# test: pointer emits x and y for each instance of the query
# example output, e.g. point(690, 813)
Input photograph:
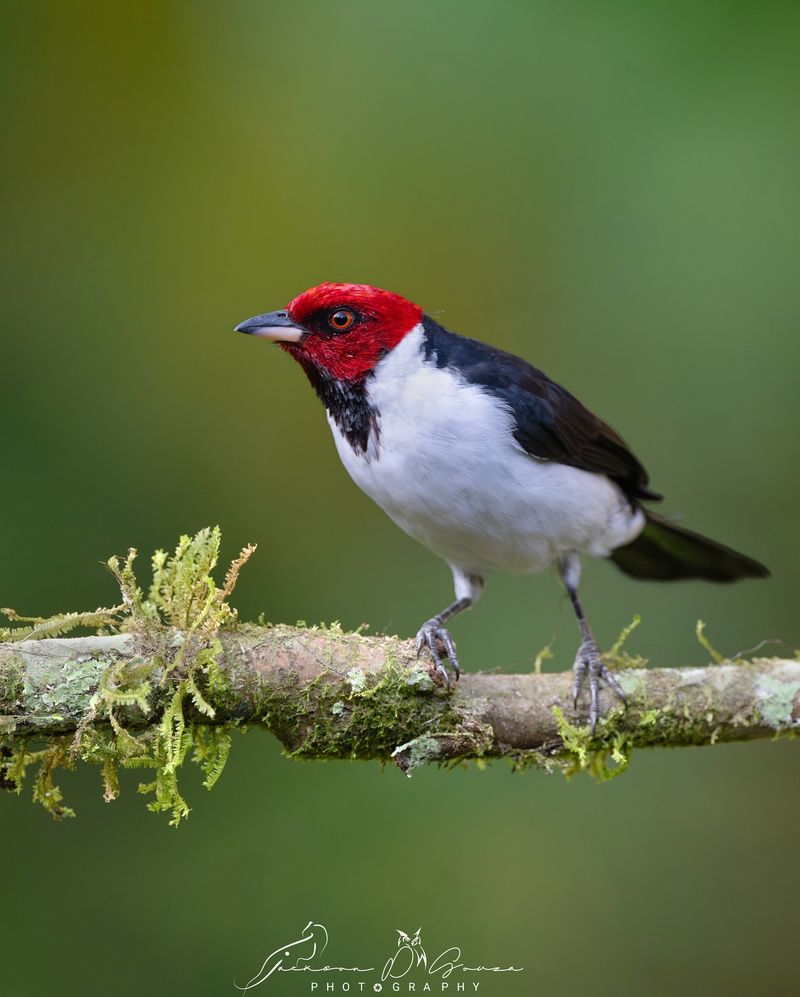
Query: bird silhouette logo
point(312, 942)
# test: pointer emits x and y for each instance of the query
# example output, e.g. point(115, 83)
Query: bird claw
point(436, 640)
point(589, 661)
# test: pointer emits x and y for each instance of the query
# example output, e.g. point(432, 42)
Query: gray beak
point(272, 325)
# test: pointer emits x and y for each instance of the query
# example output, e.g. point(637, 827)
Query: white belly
point(448, 471)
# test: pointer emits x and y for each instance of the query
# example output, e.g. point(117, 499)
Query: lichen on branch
point(172, 673)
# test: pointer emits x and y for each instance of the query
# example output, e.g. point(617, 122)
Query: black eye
point(341, 319)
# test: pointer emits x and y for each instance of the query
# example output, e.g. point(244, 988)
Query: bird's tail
point(667, 552)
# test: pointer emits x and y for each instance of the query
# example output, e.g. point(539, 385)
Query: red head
point(341, 330)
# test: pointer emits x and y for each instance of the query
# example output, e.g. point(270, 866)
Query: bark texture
point(327, 694)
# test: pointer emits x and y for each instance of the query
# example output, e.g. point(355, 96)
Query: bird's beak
point(272, 325)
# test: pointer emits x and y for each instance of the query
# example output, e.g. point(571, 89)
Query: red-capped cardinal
point(482, 458)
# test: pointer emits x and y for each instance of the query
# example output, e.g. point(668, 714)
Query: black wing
point(550, 422)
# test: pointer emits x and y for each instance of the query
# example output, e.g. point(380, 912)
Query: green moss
point(608, 752)
point(705, 643)
point(39, 627)
point(618, 658)
point(604, 754)
point(176, 627)
point(371, 720)
point(11, 683)
point(148, 712)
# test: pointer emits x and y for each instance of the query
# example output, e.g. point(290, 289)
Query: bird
point(484, 459)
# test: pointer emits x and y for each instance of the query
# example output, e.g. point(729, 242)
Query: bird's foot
point(436, 640)
point(588, 661)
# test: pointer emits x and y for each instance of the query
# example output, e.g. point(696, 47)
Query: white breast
point(450, 473)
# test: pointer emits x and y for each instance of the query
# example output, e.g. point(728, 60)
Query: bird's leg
point(588, 660)
point(435, 638)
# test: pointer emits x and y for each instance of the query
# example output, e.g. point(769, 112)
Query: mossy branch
point(185, 672)
point(325, 693)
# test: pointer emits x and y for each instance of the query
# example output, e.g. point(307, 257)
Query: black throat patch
point(349, 407)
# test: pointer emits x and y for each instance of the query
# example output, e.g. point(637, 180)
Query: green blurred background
point(608, 189)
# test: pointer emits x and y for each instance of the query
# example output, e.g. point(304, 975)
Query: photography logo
point(408, 969)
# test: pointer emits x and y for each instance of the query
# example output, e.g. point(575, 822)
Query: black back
point(550, 423)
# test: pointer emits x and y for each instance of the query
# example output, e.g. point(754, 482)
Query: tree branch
point(326, 694)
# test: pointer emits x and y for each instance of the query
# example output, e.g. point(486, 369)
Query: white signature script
point(409, 957)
